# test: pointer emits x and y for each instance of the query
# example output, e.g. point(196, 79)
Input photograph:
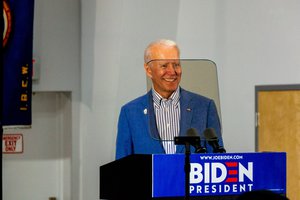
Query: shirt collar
point(157, 98)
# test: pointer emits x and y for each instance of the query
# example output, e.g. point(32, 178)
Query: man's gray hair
point(164, 42)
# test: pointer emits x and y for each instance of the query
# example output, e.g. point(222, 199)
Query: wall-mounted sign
point(12, 143)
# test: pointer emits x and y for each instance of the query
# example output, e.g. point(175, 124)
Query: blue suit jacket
point(137, 131)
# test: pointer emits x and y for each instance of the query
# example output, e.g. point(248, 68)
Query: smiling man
point(148, 124)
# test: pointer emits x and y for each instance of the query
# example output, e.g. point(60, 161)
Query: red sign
point(12, 143)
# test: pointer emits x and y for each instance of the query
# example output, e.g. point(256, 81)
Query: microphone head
point(213, 140)
point(210, 134)
point(192, 137)
point(192, 132)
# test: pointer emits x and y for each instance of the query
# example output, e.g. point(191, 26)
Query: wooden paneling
point(279, 130)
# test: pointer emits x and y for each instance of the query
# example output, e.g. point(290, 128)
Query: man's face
point(164, 69)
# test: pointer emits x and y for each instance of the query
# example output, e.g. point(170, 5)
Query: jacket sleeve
point(124, 141)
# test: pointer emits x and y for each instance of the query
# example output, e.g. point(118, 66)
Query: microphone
point(197, 145)
point(213, 140)
point(192, 138)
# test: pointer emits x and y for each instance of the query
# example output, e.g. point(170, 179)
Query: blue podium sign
point(218, 174)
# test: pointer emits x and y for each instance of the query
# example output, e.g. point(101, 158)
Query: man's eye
point(164, 66)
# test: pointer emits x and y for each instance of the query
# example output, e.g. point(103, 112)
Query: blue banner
point(17, 62)
point(219, 174)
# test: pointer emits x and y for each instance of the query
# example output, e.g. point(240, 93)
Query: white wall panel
point(56, 45)
point(43, 170)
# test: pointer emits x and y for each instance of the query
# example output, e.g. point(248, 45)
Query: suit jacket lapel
point(186, 114)
point(152, 121)
point(152, 128)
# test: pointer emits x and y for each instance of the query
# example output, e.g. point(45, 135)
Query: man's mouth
point(170, 79)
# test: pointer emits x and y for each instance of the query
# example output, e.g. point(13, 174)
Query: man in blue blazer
point(144, 121)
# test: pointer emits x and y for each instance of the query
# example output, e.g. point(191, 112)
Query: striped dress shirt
point(167, 114)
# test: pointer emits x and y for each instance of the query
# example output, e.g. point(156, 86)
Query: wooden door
point(278, 129)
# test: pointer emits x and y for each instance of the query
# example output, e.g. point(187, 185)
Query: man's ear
point(148, 70)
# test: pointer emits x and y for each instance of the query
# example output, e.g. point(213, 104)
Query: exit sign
point(12, 143)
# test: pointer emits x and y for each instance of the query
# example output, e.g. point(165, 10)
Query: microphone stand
point(187, 141)
point(187, 170)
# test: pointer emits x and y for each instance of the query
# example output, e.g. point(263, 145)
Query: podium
point(212, 176)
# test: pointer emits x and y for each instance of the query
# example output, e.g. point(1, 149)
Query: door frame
point(260, 88)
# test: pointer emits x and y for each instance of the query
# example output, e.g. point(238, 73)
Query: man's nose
point(171, 68)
